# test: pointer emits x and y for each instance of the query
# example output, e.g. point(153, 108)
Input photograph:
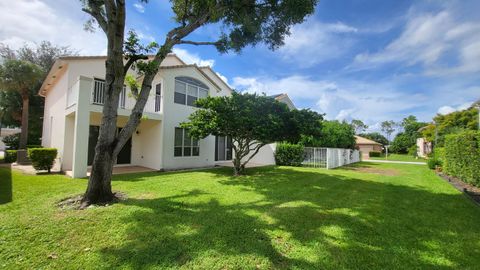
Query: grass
point(370, 216)
point(399, 157)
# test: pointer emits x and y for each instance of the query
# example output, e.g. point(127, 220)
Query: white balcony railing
point(98, 98)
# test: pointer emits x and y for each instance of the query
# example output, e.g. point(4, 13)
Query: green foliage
point(462, 156)
point(358, 126)
point(10, 156)
point(375, 136)
point(42, 158)
point(439, 154)
point(289, 154)
point(388, 127)
point(432, 163)
point(43, 55)
point(452, 123)
point(401, 143)
point(334, 134)
point(375, 154)
point(412, 151)
point(12, 141)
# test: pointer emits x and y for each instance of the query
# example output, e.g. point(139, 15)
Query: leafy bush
point(42, 158)
point(462, 156)
point(289, 154)
point(412, 151)
point(439, 154)
point(12, 141)
point(34, 146)
point(10, 156)
point(375, 154)
point(432, 163)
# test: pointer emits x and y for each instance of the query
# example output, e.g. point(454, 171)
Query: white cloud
point(441, 42)
point(192, 58)
point(31, 21)
point(224, 79)
point(340, 100)
point(449, 109)
point(313, 42)
point(139, 7)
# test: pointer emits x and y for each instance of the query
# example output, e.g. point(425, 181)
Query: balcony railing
point(99, 96)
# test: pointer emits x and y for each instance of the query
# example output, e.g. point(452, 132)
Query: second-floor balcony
point(97, 97)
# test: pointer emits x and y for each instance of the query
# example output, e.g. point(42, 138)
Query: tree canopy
point(375, 136)
point(408, 138)
point(451, 123)
point(251, 121)
point(358, 126)
point(334, 134)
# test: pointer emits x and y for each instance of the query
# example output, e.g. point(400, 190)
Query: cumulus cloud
point(441, 42)
point(449, 109)
point(192, 58)
point(314, 42)
point(61, 22)
point(342, 100)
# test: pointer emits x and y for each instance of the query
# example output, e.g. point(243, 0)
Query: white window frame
point(184, 132)
point(186, 92)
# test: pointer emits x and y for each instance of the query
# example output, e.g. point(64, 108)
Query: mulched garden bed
point(471, 191)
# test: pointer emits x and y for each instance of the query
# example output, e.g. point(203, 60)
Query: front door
point(124, 157)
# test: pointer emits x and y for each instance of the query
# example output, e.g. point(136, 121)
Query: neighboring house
point(6, 132)
point(424, 148)
point(366, 146)
point(74, 94)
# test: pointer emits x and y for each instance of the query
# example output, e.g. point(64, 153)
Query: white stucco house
point(73, 92)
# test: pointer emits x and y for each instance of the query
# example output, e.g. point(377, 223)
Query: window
point(185, 146)
point(188, 90)
point(223, 148)
point(158, 95)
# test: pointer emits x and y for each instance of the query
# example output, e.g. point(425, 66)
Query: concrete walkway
point(395, 162)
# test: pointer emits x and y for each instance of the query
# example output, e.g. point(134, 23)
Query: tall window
point(185, 146)
point(223, 148)
point(188, 90)
point(158, 95)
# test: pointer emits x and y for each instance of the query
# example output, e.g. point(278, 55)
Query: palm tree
point(20, 76)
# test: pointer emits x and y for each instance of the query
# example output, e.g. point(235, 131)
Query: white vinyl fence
point(329, 157)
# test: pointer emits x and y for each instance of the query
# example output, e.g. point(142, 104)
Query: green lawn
point(371, 216)
point(399, 157)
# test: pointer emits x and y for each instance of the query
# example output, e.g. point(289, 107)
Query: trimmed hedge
point(42, 158)
point(289, 154)
point(439, 154)
point(374, 154)
point(462, 156)
point(10, 156)
point(432, 163)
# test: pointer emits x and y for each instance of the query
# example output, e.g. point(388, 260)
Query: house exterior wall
point(367, 148)
point(175, 113)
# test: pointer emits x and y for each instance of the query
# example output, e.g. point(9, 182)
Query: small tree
point(358, 126)
point(388, 127)
point(334, 134)
point(20, 76)
point(252, 121)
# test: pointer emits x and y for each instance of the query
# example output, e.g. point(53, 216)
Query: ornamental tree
point(243, 22)
point(251, 121)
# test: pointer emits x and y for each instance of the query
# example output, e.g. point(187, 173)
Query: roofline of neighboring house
point(282, 96)
point(369, 142)
point(59, 66)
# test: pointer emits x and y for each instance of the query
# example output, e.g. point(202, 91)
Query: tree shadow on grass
point(305, 220)
point(5, 184)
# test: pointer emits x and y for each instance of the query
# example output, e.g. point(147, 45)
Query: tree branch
point(254, 153)
point(95, 12)
point(197, 43)
point(131, 60)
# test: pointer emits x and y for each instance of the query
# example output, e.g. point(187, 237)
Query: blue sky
point(372, 60)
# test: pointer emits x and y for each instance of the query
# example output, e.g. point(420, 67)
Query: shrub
point(10, 156)
point(412, 151)
point(33, 146)
point(462, 156)
point(289, 154)
point(12, 141)
point(432, 163)
point(375, 154)
point(42, 158)
point(439, 154)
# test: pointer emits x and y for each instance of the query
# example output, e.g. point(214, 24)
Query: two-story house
point(74, 94)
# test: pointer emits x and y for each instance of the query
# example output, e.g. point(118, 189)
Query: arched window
point(188, 90)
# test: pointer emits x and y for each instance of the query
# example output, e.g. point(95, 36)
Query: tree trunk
point(24, 134)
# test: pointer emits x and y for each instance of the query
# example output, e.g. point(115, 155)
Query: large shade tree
point(243, 22)
point(43, 55)
point(19, 76)
point(251, 121)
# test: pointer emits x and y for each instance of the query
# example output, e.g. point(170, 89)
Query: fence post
point(328, 158)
